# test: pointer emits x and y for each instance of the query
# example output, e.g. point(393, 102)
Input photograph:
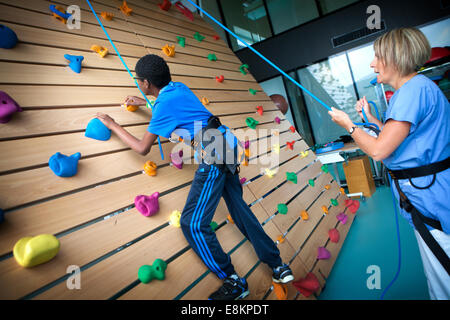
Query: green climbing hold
point(325, 168)
point(212, 57)
point(157, 270)
point(282, 208)
point(213, 226)
point(198, 37)
point(311, 182)
point(252, 91)
point(181, 41)
point(291, 176)
point(251, 123)
point(242, 69)
point(334, 202)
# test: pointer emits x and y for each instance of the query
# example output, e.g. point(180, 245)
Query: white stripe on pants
point(437, 278)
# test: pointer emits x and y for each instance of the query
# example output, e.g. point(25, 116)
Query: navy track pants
point(209, 185)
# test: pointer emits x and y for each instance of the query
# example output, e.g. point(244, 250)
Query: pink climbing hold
point(277, 120)
point(147, 205)
point(7, 107)
point(334, 235)
point(243, 180)
point(308, 285)
point(342, 217)
point(247, 144)
point(177, 159)
point(352, 205)
point(323, 253)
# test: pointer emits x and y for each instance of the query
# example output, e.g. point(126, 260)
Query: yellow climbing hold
point(270, 173)
point(174, 218)
point(101, 51)
point(32, 251)
point(304, 154)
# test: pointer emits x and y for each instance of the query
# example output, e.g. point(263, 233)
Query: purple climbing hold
point(177, 159)
point(342, 217)
point(147, 205)
point(323, 254)
point(7, 107)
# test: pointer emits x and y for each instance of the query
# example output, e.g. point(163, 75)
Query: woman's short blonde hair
point(404, 49)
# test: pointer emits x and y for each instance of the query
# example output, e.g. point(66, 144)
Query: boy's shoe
point(233, 288)
point(282, 274)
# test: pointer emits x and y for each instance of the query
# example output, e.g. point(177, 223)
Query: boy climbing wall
point(177, 108)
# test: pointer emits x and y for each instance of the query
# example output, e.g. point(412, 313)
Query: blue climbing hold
point(8, 38)
point(97, 130)
point(75, 62)
point(55, 10)
point(64, 166)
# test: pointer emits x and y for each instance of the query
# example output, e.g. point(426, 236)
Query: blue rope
point(126, 67)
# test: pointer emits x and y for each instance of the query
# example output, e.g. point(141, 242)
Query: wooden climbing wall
point(93, 213)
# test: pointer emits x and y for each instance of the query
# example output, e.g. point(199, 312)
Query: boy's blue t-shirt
point(178, 109)
point(421, 103)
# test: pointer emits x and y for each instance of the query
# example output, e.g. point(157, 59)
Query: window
point(286, 14)
point(212, 8)
point(248, 19)
point(328, 6)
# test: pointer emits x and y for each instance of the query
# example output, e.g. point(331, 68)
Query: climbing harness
point(418, 219)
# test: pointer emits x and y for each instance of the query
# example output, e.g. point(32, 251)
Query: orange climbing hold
point(342, 191)
point(280, 290)
point(327, 187)
point(102, 51)
point(57, 16)
point(130, 107)
point(205, 101)
point(125, 9)
point(281, 238)
point(230, 219)
point(107, 15)
point(325, 209)
point(169, 50)
point(150, 168)
point(304, 215)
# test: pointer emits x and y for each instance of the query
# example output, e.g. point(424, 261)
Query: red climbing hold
point(220, 79)
point(216, 37)
point(187, 13)
point(292, 128)
point(352, 205)
point(290, 145)
point(334, 235)
point(165, 5)
point(308, 285)
point(260, 110)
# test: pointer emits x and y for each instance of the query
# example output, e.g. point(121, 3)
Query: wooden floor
point(93, 213)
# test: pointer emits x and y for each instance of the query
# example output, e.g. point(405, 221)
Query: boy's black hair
point(154, 69)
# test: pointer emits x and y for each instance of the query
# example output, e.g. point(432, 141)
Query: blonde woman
point(414, 144)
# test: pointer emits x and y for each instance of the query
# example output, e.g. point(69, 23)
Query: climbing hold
point(327, 187)
point(334, 236)
point(102, 51)
point(169, 50)
point(325, 209)
point(243, 69)
point(323, 253)
point(32, 251)
point(352, 205)
point(304, 215)
point(304, 154)
point(292, 128)
point(74, 62)
point(270, 173)
point(277, 120)
point(247, 144)
point(157, 271)
point(276, 148)
point(147, 205)
point(2, 216)
point(260, 110)
point(291, 176)
point(243, 180)
point(181, 41)
point(281, 238)
point(342, 217)
point(150, 168)
point(7, 107)
point(324, 168)
point(97, 130)
point(198, 37)
point(59, 13)
point(130, 107)
point(252, 91)
point(213, 225)
point(216, 37)
point(280, 290)
point(230, 219)
point(185, 11)
point(177, 159)
point(308, 285)
point(334, 202)
point(311, 182)
point(8, 38)
point(125, 9)
point(64, 166)
point(251, 123)
point(165, 5)
point(282, 208)
point(220, 79)
point(212, 57)
point(174, 218)
point(107, 15)
point(205, 101)
point(342, 191)
point(290, 145)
